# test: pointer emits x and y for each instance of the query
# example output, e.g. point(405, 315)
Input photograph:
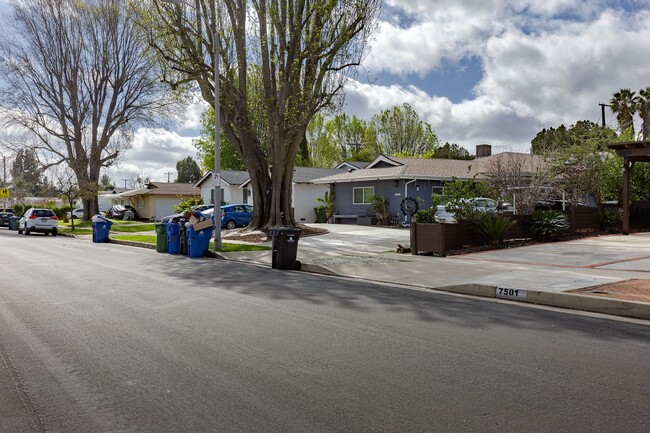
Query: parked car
point(4, 218)
point(236, 215)
point(444, 216)
point(39, 220)
point(478, 204)
point(202, 207)
point(233, 215)
point(77, 213)
point(118, 211)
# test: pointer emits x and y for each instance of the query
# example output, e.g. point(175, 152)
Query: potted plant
point(328, 201)
point(379, 207)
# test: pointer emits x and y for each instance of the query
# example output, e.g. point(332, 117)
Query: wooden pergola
point(631, 152)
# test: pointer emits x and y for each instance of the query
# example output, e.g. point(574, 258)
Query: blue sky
point(479, 71)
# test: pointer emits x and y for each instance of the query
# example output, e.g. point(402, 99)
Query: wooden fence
point(439, 238)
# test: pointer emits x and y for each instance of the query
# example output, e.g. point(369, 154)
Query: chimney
point(483, 150)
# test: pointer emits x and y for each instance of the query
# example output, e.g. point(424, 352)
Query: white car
point(39, 220)
point(442, 216)
point(77, 213)
point(480, 204)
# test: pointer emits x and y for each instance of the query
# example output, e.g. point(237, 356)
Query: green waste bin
point(15, 222)
point(161, 238)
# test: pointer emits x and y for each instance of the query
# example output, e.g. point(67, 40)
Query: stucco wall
point(304, 201)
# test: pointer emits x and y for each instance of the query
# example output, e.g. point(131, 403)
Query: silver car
point(39, 220)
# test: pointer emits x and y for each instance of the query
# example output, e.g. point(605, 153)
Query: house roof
point(354, 165)
point(175, 189)
point(230, 177)
point(391, 167)
point(307, 174)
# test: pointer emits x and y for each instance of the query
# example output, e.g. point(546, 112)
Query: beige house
point(156, 200)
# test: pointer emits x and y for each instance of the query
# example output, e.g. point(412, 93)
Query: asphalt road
point(108, 338)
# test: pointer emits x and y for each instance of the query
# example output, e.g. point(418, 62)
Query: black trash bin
point(285, 248)
point(183, 233)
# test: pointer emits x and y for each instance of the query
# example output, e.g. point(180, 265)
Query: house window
point(438, 187)
point(247, 194)
point(362, 195)
point(212, 196)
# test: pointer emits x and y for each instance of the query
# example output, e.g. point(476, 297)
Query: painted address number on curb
point(503, 292)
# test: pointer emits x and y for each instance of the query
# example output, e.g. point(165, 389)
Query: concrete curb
point(615, 307)
point(132, 244)
point(594, 304)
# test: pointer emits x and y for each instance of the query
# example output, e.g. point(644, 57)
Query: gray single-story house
point(396, 179)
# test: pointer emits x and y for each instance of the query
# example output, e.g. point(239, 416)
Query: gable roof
point(395, 168)
point(354, 165)
point(175, 189)
point(229, 177)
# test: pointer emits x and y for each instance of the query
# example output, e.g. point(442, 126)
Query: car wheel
point(54, 232)
point(231, 225)
point(20, 231)
point(26, 231)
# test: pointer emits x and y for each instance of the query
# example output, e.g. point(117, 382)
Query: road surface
point(108, 338)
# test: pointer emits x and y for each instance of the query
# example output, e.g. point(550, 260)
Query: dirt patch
point(630, 290)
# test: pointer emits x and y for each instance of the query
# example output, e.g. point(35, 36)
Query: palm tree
point(624, 106)
point(643, 107)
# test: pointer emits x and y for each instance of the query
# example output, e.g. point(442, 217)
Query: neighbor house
point(304, 193)
point(232, 189)
point(396, 178)
point(156, 200)
point(236, 188)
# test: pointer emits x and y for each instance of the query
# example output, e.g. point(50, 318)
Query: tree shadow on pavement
point(204, 276)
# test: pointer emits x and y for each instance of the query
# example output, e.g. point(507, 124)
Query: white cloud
point(544, 63)
point(154, 154)
point(192, 118)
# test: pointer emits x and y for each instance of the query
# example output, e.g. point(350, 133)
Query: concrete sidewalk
point(540, 274)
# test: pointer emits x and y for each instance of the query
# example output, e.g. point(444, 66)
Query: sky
point(479, 71)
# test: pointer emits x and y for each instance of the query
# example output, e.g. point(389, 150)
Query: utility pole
point(602, 109)
point(169, 173)
point(125, 180)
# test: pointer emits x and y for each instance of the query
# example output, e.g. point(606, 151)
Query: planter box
point(439, 238)
point(366, 220)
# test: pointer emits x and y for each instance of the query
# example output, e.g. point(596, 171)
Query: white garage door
point(164, 207)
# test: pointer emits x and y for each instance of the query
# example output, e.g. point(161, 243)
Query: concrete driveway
point(553, 268)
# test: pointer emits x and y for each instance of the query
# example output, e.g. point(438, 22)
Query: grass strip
point(227, 247)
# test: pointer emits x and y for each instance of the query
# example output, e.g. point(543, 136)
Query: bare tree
point(305, 50)
point(77, 78)
point(527, 178)
point(65, 183)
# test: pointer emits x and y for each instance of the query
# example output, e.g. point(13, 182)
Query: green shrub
point(493, 225)
point(426, 215)
point(610, 219)
point(19, 209)
point(547, 223)
point(187, 203)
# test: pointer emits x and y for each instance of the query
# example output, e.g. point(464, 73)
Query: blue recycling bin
point(173, 238)
point(101, 229)
point(198, 242)
point(11, 222)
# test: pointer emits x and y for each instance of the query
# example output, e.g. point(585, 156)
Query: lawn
point(85, 227)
